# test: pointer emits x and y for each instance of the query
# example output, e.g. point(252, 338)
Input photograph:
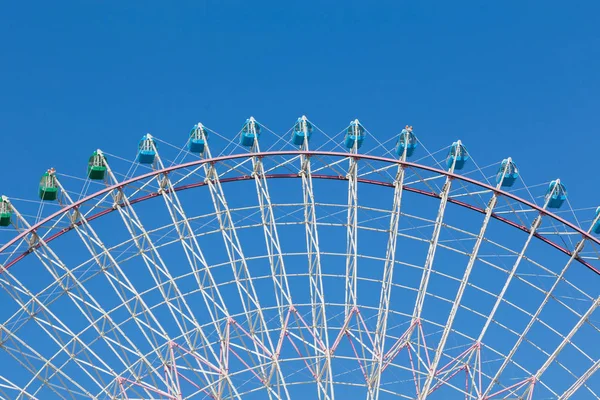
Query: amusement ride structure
point(297, 266)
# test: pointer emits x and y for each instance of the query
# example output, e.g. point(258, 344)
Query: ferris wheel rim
point(586, 235)
point(317, 177)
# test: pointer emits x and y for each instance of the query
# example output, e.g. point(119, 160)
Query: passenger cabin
point(48, 189)
point(250, 132)
point(457, 156)
point(146, 150)
point(556, 194)
point(302, 130)
point(5, 212)
point(407, 140)
point(596, 228)
point(198, 138)
point(507, 173)
point(96, 166)
point(355, 135)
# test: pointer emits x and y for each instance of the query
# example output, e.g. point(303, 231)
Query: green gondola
point(5, 212)
point(48, 190)
point(96, 166)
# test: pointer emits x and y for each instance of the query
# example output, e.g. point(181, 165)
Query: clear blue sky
point(508, 78)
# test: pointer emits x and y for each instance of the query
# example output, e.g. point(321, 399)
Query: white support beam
point(257, 324)
point(581, 381)
point(533, 319)
point(178, 307)
point(212, 297)
point(90, 308)
point(352, 237)
point(283, 295)
point(457, 301)
point(386, 289)
point(323, 372)
point(433, 244)
point(566, 340)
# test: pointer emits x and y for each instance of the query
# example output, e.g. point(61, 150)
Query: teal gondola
point(198, 139)
point(146, 150)
point(407, 140)
point(457, 156)
point(302, 131)
point(556, 194)
point(355, 135)
point(507, 173)
point(596, 228)
point(250, 132)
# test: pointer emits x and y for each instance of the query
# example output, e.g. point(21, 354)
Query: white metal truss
point(213, 299)
point(533, 319)
point(352, 233)
point(282, 290)
point(567, 339)
point(89, 307)
point(581, 381)
point(257, 325)
point(106, 260)
point(536, 315)
point(433, 369)
point(174, 298)
point(377, 363)
point(321, 345)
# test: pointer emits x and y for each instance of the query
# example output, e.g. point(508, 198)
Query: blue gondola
point(407, 140)
point(250, 132)
point(556, 194)
point(355, 135)
point(507, 173)
point(302, 129)
point(146, 150)
point(596, 228)
point(457, 156)
point(198, 138)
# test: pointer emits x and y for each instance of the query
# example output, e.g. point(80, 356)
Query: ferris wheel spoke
point(97, 249)
point(548, 295)
point(325, 390)
point(278, 271)
point(433, 370)
point(534, 318)
point(566, 340)
point(422, 291)
point(581, 381)
point(174, 299)
point(248, 295)
point(87, 305)
point(386, 288)
point(41, 368)
point(55, 329)
point(214, 302)
point(352, 237)
point(351, 289)
point(7, 385)
point(427, 267)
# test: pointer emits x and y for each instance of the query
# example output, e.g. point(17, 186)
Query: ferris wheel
point(297, 266)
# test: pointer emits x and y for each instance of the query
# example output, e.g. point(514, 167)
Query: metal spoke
point(246, 290)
